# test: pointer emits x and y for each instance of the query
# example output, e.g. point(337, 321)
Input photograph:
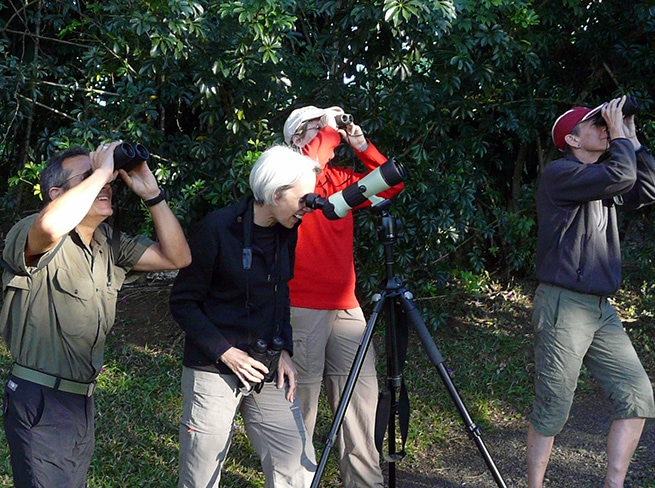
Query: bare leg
point(539, 448)
point(621, 444)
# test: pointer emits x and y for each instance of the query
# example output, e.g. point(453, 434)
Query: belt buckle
point(91, 388)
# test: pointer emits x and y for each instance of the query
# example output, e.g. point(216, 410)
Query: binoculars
point(631, 106)
point(343, 120)
point(128, 156)
point(268, 356)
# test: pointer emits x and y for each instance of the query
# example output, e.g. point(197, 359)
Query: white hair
point(276, 170)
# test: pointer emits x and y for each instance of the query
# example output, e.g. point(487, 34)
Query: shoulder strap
point(5, 265)
point(248, 220)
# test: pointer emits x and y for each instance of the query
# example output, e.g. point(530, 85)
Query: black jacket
point(578, 241)
point(217, 302)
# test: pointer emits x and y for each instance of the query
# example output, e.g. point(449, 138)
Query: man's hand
point(631, 131)
point(141, 181)
point(102, 160)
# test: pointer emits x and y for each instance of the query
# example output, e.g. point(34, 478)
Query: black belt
point(54, 382)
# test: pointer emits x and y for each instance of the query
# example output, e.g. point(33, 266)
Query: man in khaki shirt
point(62, 276)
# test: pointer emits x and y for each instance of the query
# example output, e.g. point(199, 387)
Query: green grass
point(486, 346)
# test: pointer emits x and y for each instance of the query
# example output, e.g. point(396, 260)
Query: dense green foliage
point(463, 92)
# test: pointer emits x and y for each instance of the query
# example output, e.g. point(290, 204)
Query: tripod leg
point(394, 384)
point(435, 357)
point(347, 393)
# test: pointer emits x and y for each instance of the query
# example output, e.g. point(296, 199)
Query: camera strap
point(246, 252)
point(248, 222)
point(279, 300)
point(246, 261)
point(114, 242)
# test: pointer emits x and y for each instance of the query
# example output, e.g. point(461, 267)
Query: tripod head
point(388, 225)
point(388, 230)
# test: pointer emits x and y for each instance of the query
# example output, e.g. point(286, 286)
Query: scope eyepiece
point(312, 200)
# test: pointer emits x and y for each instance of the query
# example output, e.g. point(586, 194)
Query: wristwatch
point(157, 199)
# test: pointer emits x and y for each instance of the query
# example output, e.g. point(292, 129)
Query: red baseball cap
point(568, 120)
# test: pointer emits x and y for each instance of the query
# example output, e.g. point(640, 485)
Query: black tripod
point(391, 295)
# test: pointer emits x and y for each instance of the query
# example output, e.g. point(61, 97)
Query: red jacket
point(324, 273)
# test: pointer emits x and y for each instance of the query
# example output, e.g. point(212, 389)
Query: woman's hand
point(354, 135)
point(248, 369)
point(631, 131)
point(612, 112)
point(285, 368)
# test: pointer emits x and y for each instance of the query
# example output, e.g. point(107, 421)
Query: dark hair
point(54, 173)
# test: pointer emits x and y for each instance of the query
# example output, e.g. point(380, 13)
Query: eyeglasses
point(302, 130)
point(84, 176)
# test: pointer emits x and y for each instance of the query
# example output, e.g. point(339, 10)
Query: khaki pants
point(273, 425)
point(572, 329)
point(325, 343)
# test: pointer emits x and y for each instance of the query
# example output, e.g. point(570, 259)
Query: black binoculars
point(343, 120)
point(630, 107)
point(269, 356)
point(128, 156)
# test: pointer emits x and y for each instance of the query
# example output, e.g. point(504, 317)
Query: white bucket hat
point(299, 116)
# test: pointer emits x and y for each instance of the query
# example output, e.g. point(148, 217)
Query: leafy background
point(463, 93)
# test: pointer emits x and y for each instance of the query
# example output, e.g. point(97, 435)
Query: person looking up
point(327, 320)
point(604, 168)
point(60, 283)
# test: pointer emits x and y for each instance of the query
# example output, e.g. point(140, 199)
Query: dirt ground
point(578, 458)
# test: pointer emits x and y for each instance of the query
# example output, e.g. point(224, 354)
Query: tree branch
point(39, 104)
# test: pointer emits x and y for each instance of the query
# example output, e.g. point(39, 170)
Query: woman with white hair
point(233, 296)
